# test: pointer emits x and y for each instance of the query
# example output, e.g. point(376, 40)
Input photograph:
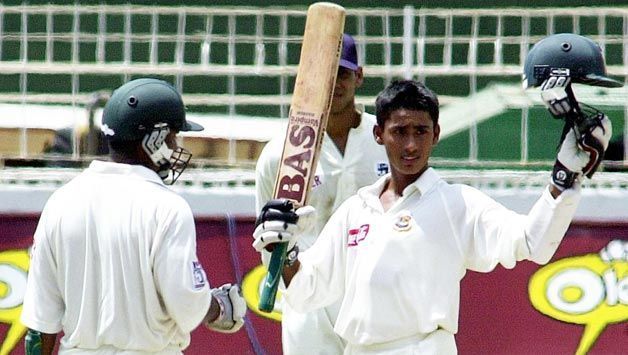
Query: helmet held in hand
point(576, 56)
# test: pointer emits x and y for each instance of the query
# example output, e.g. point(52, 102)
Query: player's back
point(113, 219)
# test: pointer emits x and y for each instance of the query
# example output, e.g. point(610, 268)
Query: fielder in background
point(349, 159)
point(114, 262)
point(394, 254)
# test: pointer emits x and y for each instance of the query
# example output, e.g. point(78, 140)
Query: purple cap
point(349, 56)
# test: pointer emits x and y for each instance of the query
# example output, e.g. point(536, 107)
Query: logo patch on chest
point(357, 235)
point(382, 168)
point(403, 221)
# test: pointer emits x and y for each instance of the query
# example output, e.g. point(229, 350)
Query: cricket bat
point(309, 111)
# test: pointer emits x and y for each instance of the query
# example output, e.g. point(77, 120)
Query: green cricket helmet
point(137, 106)
point(567, 51)
point(146, 111)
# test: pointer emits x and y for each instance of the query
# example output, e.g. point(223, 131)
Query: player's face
point(347, 81)
point(171, 140)
point(409, 137)
point(173, 143)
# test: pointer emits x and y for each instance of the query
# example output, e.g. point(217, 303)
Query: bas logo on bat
point(294, 169)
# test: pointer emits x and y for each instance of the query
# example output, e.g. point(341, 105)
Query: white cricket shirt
point(114, 265)
point(398, 272)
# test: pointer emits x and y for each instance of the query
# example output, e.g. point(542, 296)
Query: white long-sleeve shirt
point(114, 265)
point(398, 272)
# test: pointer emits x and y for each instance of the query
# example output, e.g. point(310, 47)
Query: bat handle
point(576, 113)
point(271, 282)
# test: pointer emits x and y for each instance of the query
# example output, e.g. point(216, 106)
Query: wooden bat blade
point(309, 110)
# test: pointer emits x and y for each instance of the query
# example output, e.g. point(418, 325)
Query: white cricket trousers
point(439, 342)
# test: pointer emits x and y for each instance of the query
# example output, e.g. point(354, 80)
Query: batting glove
point(232, 309)
point(279, 222)
point(581, 151)
point(555, 97)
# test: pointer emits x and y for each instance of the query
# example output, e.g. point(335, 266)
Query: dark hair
point(406, 94)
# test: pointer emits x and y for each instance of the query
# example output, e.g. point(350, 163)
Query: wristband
point(562, 177)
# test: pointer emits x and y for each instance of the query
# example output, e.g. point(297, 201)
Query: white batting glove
point(581, 156)
point(232, 309)
point(554, 95)
point(570, 154)
point(279, 223)
point(594, 139)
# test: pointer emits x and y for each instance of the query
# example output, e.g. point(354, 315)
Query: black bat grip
point(575, 114)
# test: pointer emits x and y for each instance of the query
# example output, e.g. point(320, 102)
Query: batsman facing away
point(394, 254)
point(114, 264)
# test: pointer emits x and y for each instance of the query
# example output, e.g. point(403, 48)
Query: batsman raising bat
point(394, 254)
point(348, 159)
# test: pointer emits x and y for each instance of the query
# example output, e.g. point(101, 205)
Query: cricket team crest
point(403, 221)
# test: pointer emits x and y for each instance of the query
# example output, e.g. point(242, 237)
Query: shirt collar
point(138, 171)
point(363, 125)
point(423, 184)
point(375, 189)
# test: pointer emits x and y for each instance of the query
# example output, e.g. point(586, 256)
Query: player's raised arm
point(585, 135)
point(554, 64)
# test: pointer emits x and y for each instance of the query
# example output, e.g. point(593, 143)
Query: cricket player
point(114, 262)
point(349, 159)
point(394, 254)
